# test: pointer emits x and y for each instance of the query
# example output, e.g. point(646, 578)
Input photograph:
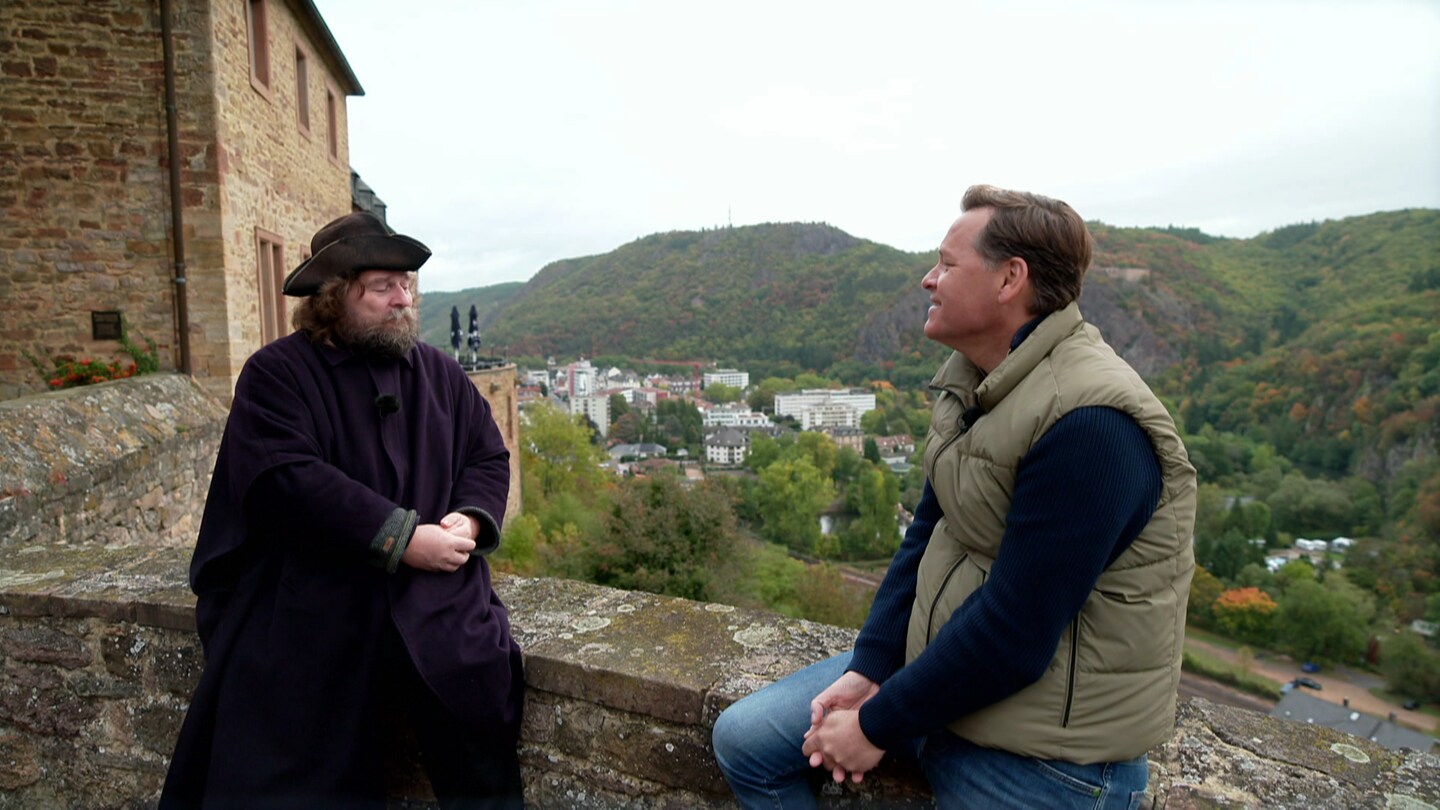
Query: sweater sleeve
point(1082, 494)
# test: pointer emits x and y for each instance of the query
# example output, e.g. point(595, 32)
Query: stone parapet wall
point(623, 687)
point(127, 461)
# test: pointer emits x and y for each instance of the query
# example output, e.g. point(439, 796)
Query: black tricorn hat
point(354, 242)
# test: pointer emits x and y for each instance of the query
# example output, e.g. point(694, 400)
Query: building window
point(302, 91)
point(259, 32)
point(332, 123)
point(270, 275)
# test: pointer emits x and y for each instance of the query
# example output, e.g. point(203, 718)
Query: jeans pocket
point(1055, 779)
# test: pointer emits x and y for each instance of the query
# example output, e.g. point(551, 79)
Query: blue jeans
point(757, 744)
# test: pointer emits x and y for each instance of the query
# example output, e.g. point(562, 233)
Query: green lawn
point(1215, 669)
point(1191, 631)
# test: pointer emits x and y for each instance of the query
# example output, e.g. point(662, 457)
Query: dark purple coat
point(292, 608)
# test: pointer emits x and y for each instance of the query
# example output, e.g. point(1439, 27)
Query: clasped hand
point(443, 547)
point(835, 740)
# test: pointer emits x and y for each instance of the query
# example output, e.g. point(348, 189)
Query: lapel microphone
point(387, 404)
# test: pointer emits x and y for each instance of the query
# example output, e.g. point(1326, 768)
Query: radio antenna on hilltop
point(729, 223)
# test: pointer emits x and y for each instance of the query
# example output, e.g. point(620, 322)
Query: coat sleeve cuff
point(487, 539)
point(389, 544)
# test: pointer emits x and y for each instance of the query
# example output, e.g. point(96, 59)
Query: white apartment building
point(596, 408)
point(726, 376)
point(726, 416)
point(858, 399)
point(829, 415)
point(793, 404)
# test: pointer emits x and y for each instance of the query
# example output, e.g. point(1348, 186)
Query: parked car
point(1309, 683)
point(1310, 666)
point(1412, 704)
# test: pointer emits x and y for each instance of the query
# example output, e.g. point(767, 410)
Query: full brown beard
point(392, 336)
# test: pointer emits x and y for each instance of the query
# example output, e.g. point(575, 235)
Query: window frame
point(332, 124)
point(270, 280)
point(302, 91)
point(257, 30)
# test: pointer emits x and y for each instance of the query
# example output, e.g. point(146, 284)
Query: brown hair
point(1045, 232)
point(320, 314)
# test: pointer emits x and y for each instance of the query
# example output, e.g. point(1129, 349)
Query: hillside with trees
point(1317, 341)
point(781, 298)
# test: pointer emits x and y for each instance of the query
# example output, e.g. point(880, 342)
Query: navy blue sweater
point(1082, 494)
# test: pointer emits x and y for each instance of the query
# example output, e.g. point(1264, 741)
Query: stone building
point(164, 162)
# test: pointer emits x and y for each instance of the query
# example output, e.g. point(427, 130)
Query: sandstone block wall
point(85, 222)
point(83, 201)
point(121, 462)
point(272, 175)
point(497, 386)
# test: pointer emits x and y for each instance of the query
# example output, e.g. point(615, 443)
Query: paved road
point(1337, 685)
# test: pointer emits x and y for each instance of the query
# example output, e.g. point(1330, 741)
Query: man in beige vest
point(1026, 641)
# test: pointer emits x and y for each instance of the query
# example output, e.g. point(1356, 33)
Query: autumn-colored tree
point(1246, 614)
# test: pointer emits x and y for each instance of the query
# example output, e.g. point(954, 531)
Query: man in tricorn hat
point(340, 562)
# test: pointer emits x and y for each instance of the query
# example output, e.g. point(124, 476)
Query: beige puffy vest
point(1109, 693)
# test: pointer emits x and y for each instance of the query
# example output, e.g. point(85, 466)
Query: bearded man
point(340, 562)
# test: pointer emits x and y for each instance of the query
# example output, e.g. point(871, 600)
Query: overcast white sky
point(507, 135)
